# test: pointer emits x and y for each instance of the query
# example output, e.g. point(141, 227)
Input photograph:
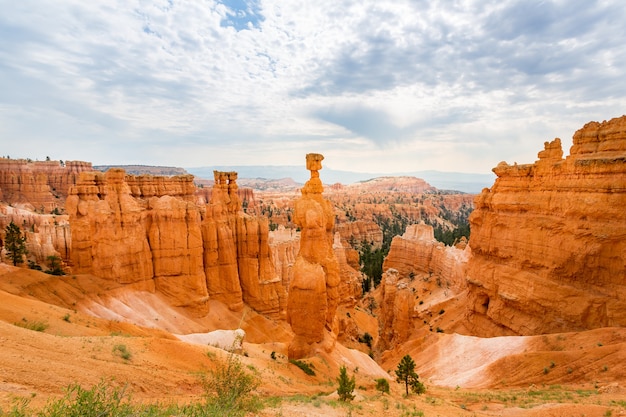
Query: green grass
point(527, 398)
point(38, 326)
point(227, 393)
point(122, 351)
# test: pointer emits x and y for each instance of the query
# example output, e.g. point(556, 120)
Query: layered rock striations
point(313, 291)
point(238, 261)
point(149, 231)
point(38, 185)
point(46, 234)
point(549, 238)
point(397, 309)
point(416, 254)
point(359, 231)
point(131, 230)
point(417, 251)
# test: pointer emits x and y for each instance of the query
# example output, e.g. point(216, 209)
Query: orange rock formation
point(414, 255)
point(237, 258)
point(143, 230)
point(38, 185)
point(549, 239)
point(313, 291)
point(149, 231)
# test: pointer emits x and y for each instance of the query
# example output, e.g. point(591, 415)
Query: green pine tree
point(406, 374)
point(15, 243)
point(346, 385)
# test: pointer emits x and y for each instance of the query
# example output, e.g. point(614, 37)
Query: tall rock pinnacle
point(313, 292)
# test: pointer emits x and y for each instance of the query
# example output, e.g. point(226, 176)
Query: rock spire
point(313, 291)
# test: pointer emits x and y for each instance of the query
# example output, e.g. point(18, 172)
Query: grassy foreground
point(227, 390)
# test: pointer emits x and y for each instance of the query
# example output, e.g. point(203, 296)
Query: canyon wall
point(549, 239)
point(413, 257)
point(34, 194)
point(148, 231)
point(38, 185)
point(417, 251)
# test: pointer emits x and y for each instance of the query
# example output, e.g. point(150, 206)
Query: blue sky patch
point(242, 14)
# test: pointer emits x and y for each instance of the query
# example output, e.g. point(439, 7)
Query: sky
point(374, 85)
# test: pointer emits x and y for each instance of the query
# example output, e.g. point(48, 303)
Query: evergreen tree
point(55, 266)
point(15, 243)
point(406, 374)
point(346, 385)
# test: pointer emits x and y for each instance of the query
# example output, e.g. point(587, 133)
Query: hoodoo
point(313, 291)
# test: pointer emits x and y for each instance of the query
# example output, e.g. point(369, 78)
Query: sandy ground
point(86, 320)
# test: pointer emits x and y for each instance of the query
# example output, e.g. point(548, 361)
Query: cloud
point(392, 83)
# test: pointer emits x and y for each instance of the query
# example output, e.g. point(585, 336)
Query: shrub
point(382, 385)
point(122, 351)
point(367, 339)
point(33, 265)
point(54, 263)
point(101, 400)
point(38, 326)
point(346, 385)
point(307, 368)
point(230, 386)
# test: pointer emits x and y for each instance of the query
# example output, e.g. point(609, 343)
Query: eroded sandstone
point(549, 238)
point(313, 291)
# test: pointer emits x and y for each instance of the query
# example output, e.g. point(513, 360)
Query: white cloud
point(398, 85)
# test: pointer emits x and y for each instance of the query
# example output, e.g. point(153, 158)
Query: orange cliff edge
point(548, 239)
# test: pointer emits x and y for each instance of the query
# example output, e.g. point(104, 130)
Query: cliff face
point(361, 231)
point(549, 238)
point(41, 186)
point(238, 262)
point(46, 234)
point(417, 250)
point(413, 257)
point(148, 231)
point(132, 230)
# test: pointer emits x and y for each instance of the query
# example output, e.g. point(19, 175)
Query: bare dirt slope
point(75, 346)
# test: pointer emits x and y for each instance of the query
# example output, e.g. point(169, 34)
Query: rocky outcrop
point(149, 231)
point(246, 196)
point(417, 250)
point(359, 231)
point(397, 308)
point(549, 238)
point(313, 291)
point(351, 283)
point(284, 245)
point(131, 230)
point(46, 234)
point(416, 254)
point(38, 185)
point(238, 261)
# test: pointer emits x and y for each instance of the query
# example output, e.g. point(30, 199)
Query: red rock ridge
point(38, 185)
point(549, 239)
point(149, 231)
point(416, 254)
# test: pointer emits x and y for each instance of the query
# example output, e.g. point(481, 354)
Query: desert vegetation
point(15, 244)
